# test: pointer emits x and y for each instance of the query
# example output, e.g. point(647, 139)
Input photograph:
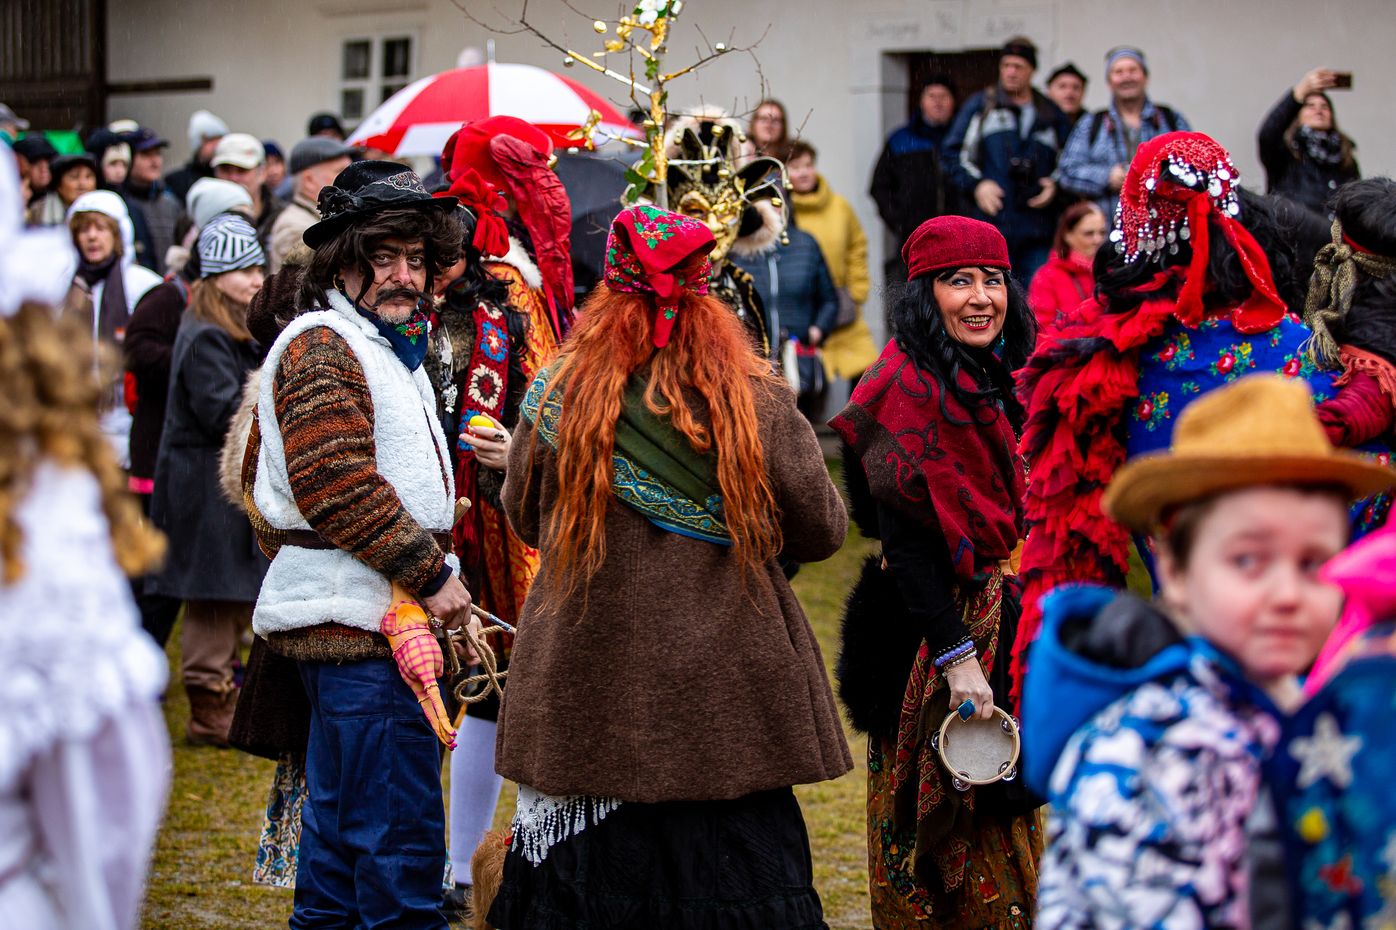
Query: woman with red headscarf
point(666, 690)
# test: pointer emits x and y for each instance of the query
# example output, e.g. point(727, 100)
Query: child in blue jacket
point(1146, 725)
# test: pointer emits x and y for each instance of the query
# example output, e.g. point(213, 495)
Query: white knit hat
point(209, 197)
point(228, 243)
point(204, 125)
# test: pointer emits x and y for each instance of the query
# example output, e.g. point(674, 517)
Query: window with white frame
point(372, 69)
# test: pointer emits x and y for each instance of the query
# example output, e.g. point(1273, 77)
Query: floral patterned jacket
point(1150, 795)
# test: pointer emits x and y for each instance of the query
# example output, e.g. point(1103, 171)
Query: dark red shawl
point(954, 469)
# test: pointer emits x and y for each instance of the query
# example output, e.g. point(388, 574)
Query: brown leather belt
point(309, 539)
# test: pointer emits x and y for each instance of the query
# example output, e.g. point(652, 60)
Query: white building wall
point(273, 62)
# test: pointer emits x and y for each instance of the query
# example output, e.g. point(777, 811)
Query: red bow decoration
point(1176, 182)
point(491, 232)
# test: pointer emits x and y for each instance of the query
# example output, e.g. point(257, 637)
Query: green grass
point(202, 875)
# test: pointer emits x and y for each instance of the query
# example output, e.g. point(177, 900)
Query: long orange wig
point(709, 363)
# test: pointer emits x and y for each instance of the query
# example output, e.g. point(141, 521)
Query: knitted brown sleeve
point(326, 417)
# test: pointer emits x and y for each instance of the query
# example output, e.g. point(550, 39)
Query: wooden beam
point(164, 86)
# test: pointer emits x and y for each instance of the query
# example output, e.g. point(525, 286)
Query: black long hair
point(920, 332)
point(438, 231)
point(1288, 235)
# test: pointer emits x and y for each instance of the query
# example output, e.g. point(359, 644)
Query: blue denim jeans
point(373, 830)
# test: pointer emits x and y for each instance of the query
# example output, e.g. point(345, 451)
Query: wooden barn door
point(52, 62)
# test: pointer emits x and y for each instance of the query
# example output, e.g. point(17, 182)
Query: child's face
point(1251, 584)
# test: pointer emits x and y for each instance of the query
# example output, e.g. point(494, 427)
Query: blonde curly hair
point(51, 396)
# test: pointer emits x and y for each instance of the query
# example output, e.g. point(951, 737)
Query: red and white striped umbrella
point(418, 119)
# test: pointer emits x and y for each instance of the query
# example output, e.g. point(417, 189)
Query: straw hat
point(1260, 430)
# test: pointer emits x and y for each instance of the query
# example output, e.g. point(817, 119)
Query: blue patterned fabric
point(660, 503)
point(1182, 364)
point(1332, 777)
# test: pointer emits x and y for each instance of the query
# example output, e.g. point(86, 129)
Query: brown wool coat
point(666, 679)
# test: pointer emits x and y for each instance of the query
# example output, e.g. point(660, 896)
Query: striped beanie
point(228, 243)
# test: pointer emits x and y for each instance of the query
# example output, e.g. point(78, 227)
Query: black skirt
point(681, 865)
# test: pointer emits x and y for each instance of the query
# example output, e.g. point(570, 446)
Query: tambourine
point(978, 751)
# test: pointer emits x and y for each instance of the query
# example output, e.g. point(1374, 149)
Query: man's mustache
point(398, 293)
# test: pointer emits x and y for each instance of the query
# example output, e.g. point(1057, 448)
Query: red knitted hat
point(652, 251)
point(953, 242)
point(469, 146)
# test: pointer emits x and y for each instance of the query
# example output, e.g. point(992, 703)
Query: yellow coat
point(831, 221)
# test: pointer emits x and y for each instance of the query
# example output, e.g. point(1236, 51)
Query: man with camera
point(1100, 148)
point(1002, 150)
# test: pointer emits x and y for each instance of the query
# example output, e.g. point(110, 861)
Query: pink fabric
point(1059, 287)
point(1366, 571)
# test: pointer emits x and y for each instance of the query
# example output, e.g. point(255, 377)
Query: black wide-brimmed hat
point(366, 188)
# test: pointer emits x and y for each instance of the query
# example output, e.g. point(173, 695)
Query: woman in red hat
point(931, 436)
point(665, 690)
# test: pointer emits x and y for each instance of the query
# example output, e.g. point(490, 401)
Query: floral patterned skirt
point(938, 857)
point(999, 887)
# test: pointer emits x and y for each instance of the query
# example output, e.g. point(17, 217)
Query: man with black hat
point(1002, 150)
point(352, 476)
point(1098, 153)
point(909, 183)
point(315, 162)
point(147, 192)
point(1066, 87)
point(327, 125)
point(35, 154)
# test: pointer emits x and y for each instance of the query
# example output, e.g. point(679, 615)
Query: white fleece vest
point(306, 587)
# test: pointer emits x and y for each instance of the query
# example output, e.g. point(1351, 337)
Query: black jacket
point(1289, 170)
point(149, 347)
point(909, 184)
point(212, 553)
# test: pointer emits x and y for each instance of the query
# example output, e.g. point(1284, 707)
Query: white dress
point(84, 753)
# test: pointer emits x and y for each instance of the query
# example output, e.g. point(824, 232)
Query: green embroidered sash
point(654, 469)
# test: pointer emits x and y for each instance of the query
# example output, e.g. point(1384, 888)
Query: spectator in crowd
point(239, 158)
point(770, 129)
point(1306, 157)
point(910, 184)
point(115, 165)
point(798, 294)
point(73, 176)
point(11, 125)
point(162, 212)
point(205, 130)
point(276, 163)
point(35, 155)
point(213, 564)
point(315, 162)
point(325, 124)
point(1067, 279)
point(1002, 150)
point(1098, 154)
point(848, 348)
point(149, 348)
point(106, 288)
point(1066, 87)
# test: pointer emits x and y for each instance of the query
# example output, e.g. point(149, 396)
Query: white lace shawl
point(542, 821)
point(72, 653)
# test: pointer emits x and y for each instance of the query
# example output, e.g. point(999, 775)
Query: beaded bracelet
point(962, 660)
point(960, 649)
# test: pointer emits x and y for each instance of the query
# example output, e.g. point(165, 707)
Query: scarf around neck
point(109, 320)
point(654, 469)
point(1324, 146)
point(409, 339)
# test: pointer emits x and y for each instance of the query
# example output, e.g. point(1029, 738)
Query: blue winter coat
point(986, 142)
point(795, 286)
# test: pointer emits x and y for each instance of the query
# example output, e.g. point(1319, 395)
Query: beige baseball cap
point(239, 150)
